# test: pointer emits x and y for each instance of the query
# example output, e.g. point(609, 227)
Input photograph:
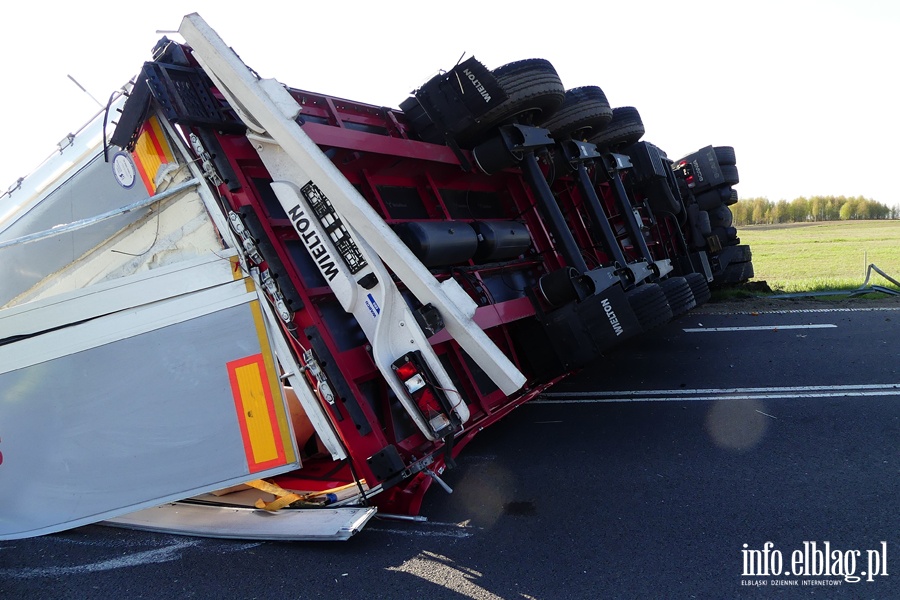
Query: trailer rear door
point(137, 392)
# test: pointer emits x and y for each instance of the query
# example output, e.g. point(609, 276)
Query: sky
point(807, 92)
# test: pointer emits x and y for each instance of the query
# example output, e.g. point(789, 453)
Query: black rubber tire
point(721, 216)
point(736, 272)
point(714, 198)
point(704, 225)
point(420, 123)
point(730, 174)
point(725, 155)
point(741, 253)
point(535, 92)
point(727, 238)
point(699, 287)
point(650, 306)
point(709, 200)
point(625, 128)
point(732, 198)
point(679, 295)
point(585, 110)
point(725, 233)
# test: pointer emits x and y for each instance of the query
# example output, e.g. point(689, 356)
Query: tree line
point(762, 211)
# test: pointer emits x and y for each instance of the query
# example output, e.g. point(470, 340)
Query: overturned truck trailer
point(239, 309)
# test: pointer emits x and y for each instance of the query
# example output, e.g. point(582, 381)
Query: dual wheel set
point(706, 178)
point(529, 93)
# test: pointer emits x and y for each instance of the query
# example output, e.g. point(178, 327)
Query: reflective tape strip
point(261, 415)
point(150, 152)
point(271, 369)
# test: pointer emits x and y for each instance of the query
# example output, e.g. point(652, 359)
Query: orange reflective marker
point(150, 152)
point(256, 413)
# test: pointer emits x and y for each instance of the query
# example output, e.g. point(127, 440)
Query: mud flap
point(575, 335)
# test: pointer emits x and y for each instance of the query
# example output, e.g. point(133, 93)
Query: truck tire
point(712, 199)
point(725, 155)
point(721, 216)
point(739, 253)
point(704, 224)
point(534, 88)
point(679, 295)
point(699, 286)
point(736, 272)
point(625, 128)
point(730, 174)
point(732, 198)
point(650, 306)
point(709, 200)
point(420, 122)
point(727, 235)
point(585, 110)
point(739, 265)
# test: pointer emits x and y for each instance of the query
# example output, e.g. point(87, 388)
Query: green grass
point(823, 256)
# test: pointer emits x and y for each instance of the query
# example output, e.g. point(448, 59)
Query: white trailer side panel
point(152, 402)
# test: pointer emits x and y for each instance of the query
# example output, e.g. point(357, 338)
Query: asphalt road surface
point(694, 462)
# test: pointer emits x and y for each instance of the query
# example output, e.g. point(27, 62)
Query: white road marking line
point(159, 541)
point(837, 391)
point(796, 311)
point(803, 388)
point(593, 400)
point(847, 394)
point(760, 328)
point(238, 548)
point(422, 532)
point(158, 555)
point(429, 529)
point(477, 457)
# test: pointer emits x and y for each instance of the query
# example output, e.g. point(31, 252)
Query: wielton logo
point(313, 243)
point(819, 561)
point(478, 86)
point(611, 315)
point(333, 229)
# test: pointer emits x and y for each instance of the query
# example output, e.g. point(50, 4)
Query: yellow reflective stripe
point(255, 408)
point(150, 152)
point(281, 416)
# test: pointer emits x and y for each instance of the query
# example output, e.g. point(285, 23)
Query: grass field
point(823, 256)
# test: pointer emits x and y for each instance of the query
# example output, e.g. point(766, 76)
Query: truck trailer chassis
point(334, 297)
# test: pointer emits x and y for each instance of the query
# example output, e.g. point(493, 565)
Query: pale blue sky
point(806, 91)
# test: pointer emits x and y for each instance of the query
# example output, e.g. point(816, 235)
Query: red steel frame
point(404, 179)
point(373, 149)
